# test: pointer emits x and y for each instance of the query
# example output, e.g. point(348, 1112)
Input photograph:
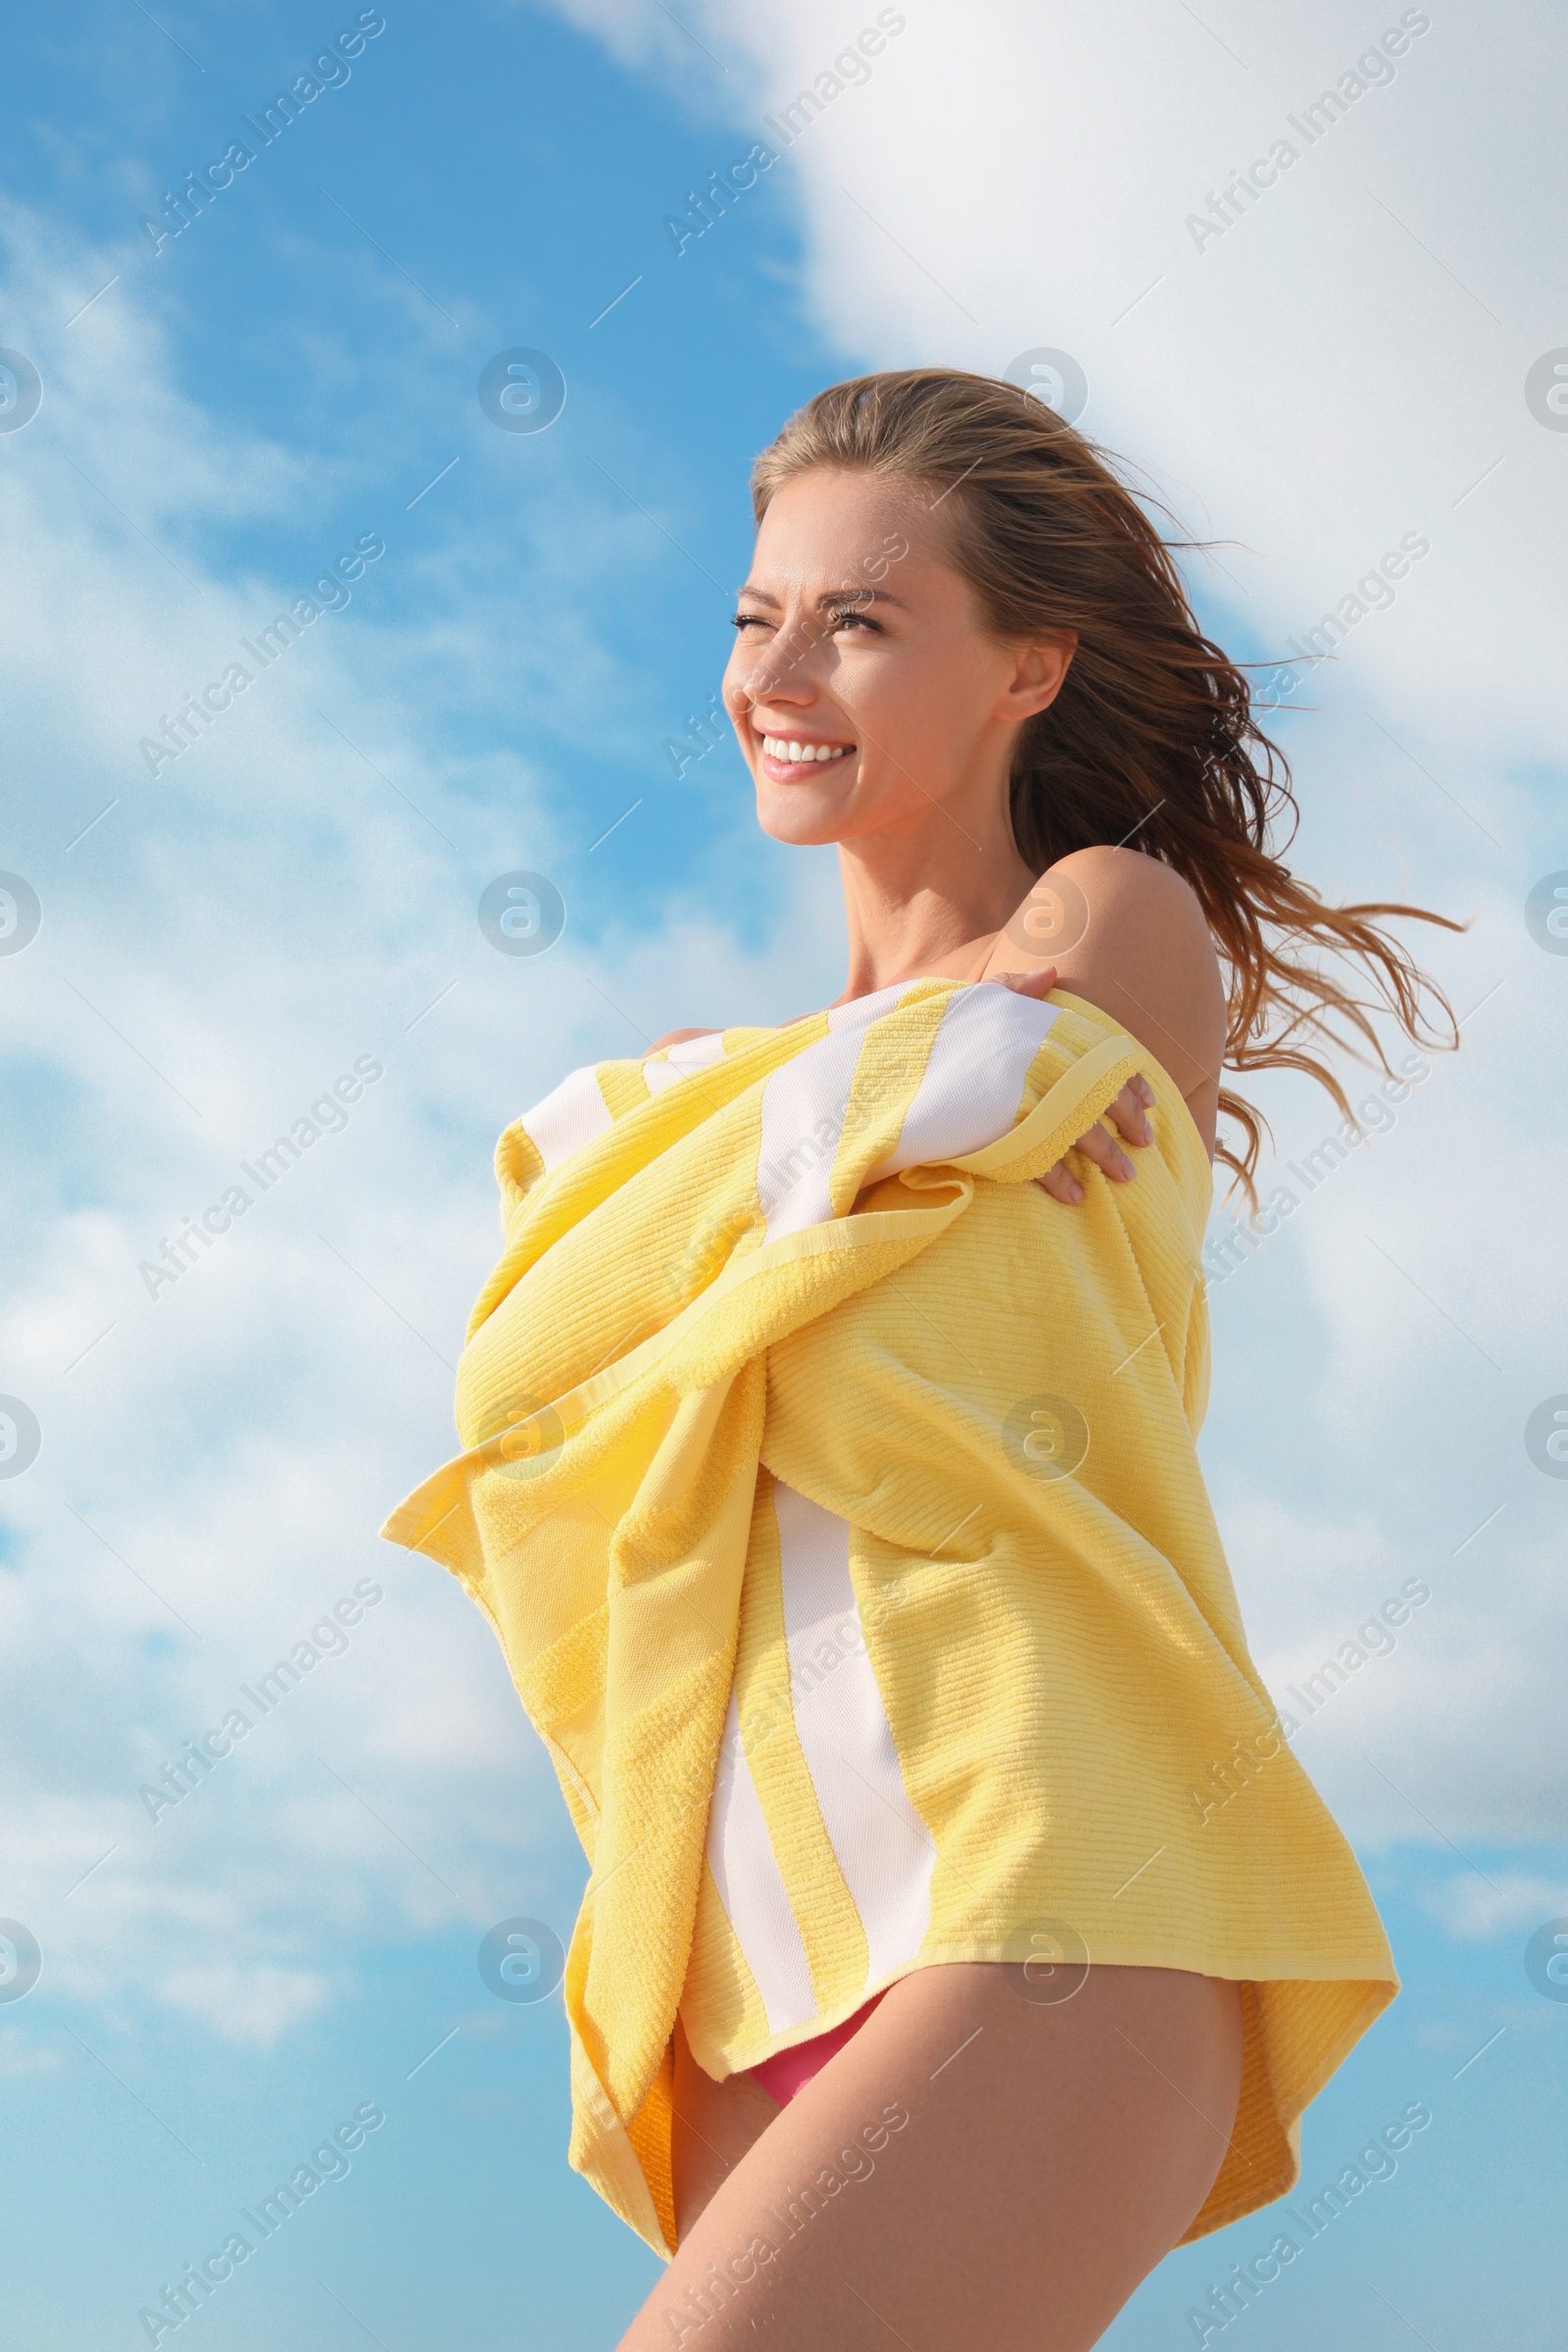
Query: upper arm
point(1145, 957)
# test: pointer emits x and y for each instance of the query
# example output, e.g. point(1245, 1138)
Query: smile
point(790, 751)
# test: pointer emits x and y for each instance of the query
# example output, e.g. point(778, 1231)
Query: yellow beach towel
point(833, 1492)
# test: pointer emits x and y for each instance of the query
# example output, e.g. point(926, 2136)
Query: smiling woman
point(1040, 652)
point(792, 1319)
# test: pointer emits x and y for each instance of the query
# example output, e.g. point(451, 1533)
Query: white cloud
point(251, 2006)
point(1473, 1909)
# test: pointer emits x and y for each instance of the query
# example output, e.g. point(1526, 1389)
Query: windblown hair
point(1153, 736)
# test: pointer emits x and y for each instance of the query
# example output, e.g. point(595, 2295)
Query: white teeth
point(784, 747)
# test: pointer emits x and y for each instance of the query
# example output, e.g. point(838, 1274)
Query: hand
point(1127, 1114)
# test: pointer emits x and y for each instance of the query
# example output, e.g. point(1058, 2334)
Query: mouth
point(789, 759)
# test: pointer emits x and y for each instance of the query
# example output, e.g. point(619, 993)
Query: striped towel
point(833, 1492)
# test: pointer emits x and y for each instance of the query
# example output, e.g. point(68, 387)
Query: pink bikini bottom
point(783, 2075)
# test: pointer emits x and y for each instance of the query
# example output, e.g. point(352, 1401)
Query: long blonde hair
point(1153, 735)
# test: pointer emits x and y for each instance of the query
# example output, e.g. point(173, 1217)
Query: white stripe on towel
point(740, 1856)
point(568, 1118)
point(803, 1116)
point(974, 1079)
point(695, 1053)
point(968, 1095)
point(883, 1847)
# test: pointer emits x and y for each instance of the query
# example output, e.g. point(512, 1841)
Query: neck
point(928, 900)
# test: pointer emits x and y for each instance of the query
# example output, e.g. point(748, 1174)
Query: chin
point(798, 830)
point(796, 814)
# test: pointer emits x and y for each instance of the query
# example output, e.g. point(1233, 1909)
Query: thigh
point(714, 2125)
point(975, 2165)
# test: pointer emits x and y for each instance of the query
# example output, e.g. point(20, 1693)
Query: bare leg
point(973, 2167)
point(716, 2124)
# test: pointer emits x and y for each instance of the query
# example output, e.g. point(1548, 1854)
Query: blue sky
point(295, 895)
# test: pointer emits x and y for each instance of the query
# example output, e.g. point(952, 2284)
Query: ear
point(1038, 673)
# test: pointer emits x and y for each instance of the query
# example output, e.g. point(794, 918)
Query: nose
point(776, 690)
point(779, 673)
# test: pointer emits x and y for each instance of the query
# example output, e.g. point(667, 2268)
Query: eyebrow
point(832, 597)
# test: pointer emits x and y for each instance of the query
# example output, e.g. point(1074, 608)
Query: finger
point(1037, 983)
point(1101, 1146)
point(1127, 1115)
point(1061, 1185)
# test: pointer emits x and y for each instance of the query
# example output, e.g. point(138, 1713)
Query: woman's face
point(862, 688)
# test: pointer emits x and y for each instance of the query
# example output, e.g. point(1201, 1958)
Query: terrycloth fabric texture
point(804, 1271)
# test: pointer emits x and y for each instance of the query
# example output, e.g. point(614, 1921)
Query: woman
point(981, 1940)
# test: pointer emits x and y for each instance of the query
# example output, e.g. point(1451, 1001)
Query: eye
point(749, 620)
point(851, 617)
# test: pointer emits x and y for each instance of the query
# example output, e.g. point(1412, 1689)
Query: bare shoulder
point(1117, 876)
point(1151, 914)
point(1138, 944)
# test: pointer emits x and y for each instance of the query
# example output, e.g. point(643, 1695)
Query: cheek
point(735, 691)
point(909, 710)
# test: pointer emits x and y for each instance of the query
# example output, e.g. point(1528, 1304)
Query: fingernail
point(1124, 1167)
point(1075, 1189)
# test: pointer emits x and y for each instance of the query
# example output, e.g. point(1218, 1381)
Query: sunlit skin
point(842, 640)
point(1053, 2154)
